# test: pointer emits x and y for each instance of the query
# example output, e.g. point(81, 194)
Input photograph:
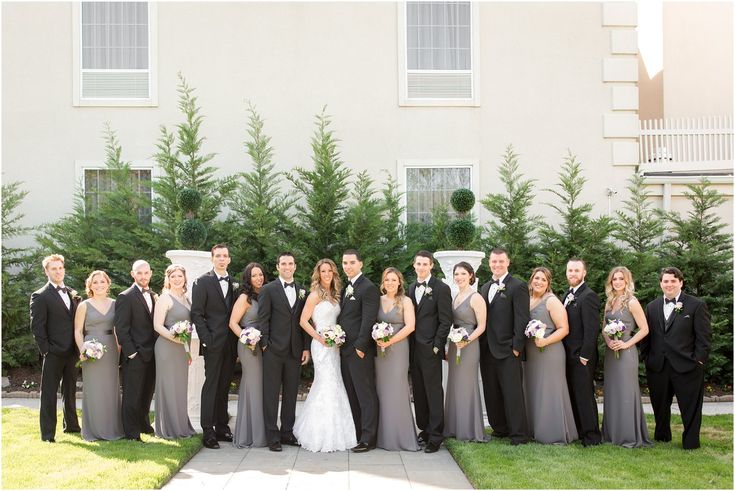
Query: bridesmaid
point(462, 410)
point(172, 369)
point(548, 407)
point(249, 427)
point(101, 416)
point(623, 421)
point(396, 426)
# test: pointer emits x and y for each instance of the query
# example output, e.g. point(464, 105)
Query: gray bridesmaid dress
point(462, 409)
point(250, 426)
point(172, 376)
point(623, 420)
point(101, 416)
point(548, 407)
point(396, 426)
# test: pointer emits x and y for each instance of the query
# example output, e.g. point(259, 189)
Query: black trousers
point(502, 385)
point(58, 368)
point(139, 382)
point(219, 366)
point(281, 376)
point(358, 375)
point(428, 393)
point(581, 383)
point(689, 391)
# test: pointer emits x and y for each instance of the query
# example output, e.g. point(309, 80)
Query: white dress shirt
point(670, 306)
point(224, 285)
point(420, 290)
point(290, 291)
point(147, 297)
point(64, 296)
point(494, 288)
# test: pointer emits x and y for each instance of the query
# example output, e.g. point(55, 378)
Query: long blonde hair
point(401, 292)
point(628, 293)
point(335, 288)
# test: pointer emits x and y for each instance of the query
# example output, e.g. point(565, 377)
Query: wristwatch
point(436, 350)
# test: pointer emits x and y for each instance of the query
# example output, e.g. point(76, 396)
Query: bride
point(325, 423)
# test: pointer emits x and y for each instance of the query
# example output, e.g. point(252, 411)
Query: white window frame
point(403, 99)
point(80, 166)
point(151, 101)
point(404, 164)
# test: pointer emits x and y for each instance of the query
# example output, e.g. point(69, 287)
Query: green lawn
point(74, 463)
point(497, 464)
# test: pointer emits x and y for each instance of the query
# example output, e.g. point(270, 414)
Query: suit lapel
point(55, 294)
point(430, 284)
point(673, 315)
point(283, 296)
point(140, 296)
point(498, 292)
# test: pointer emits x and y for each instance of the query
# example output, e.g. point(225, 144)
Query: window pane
point(429, 187)
point(444, 28)
point(116, 31)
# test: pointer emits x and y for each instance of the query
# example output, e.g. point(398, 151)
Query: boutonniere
point(75, 295)
point(235, 285)
point(155, 296)
point(678, 306)
point(350, 292)
point(302, 293)
point(501, 287)
point(570, 299)
point(428, 291)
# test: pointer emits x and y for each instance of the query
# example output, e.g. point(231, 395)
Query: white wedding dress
point(325, 422)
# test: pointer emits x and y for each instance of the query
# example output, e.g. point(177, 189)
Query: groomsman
point(135, 333)
point(211, 306)
point(432, 300)
point(675, 352)
point(52, 323)
point(583, 311)
point(501, 350)
point(360, 301)
point(285, 349)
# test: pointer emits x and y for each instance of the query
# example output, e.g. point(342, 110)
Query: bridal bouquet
point(457, 335)
point(615, 329)
point(334, 336)
point(382, 331)
point(93, 350)
point(535, 329)
point(182, 331)
point(250, 337)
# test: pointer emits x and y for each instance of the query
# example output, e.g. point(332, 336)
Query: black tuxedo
point(135, 333)
point(210, 313)
point(52, 324)
point(283, 341)
point(502, 372)
point(674, 353)
point(358, 314)
point(433, 321)
point(584, 326)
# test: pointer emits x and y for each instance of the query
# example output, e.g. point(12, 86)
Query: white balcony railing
point(687, 146)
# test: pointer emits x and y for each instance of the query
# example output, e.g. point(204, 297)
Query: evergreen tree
point(184, 165)
point(393, 250)
point(365, 224)
point(323, 193)
point(259, 223)
point(640, 226)
point(21, 275)
point(514, 226)
point(703, 252)
point(109, 236)
point(578, 234)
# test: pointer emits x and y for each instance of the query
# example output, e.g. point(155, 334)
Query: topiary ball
point(192, 233)
point(189, 200)
point(461, 232)
point(462, 200)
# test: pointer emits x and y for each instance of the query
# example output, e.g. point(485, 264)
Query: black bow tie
point(496, 282)
point(423, 283)
point(146, 290)
point(571, 290)
point(286, 285)
point(62, 289)
point(224, 278)
point(670, 300)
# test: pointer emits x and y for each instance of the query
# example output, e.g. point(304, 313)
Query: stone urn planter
point(447, 260)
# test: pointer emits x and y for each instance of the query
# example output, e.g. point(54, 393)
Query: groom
point(285, 349)
point(359, 301)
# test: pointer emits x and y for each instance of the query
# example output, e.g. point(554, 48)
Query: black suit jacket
point(507, 317)
point(52, 324)
point(279, 323)
point(584, 324)
point(433, 313)
point(684, 340)
point(358, 316)
point(210, 311)
point(134, 323)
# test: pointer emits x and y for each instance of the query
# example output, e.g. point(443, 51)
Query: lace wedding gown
point(325, 422)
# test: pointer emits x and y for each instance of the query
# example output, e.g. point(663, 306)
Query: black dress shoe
point(74, 430)
point(290, 440)
point(224, 437)
point(275, 447)
point(362, 448)
point(136, 439)
point(519, 442)
point(211, 442)
point(148, 430)
point(431, 447)
point(423, 438)
point(48, 440)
